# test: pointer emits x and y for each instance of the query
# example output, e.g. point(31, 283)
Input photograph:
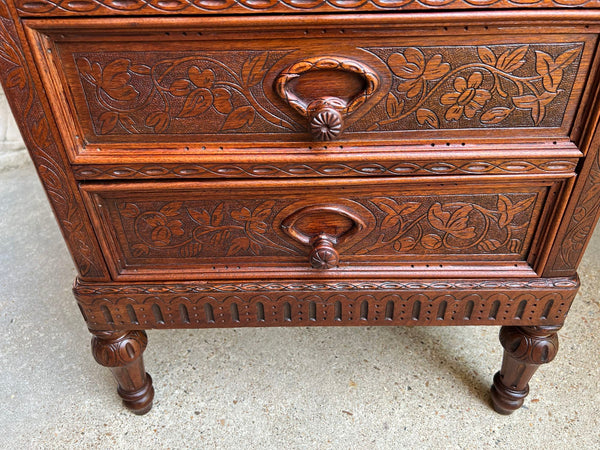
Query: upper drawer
point(197, 86)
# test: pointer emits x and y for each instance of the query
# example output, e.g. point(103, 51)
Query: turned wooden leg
point(122, 352)
point(525, 349)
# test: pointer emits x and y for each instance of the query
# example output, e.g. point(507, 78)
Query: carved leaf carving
point(241, 116)
point(393, 105)
point(217, 215)
point(127, 123)
point(394, 210)
point(427, 117)
point(508, 210)
point(16, 78)
point(140, 69)
point(536, 104)
point(409, 64)
point(495, 115)
point(139, 250)
point(223, 101)
point(435, 68)
point(431, 241)
point(511, 60)
point(453, 223)
point(489, 245)
point(129, 210)
point(238, 245)
point(551, 70)
point(158, 120)
point(108, 121)
point(254, 69)
point(263, 210)
point(486, 55)
point(196, 103)
point(405, 244)
point(201, 217)
point(579, 214)
point(171, 209)
point(92, 73)
point(242, 215)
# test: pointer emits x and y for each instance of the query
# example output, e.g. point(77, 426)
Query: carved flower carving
point(454, 223)
point(416, 70)
point(255, 220)
point(115, 80)
point(163, 225)
point(467, 99)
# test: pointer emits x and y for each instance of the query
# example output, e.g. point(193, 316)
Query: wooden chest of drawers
point(212, 164)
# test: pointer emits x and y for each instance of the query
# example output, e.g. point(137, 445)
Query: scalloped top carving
point(125, 7)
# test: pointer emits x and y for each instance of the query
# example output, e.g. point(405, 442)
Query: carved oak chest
point(401, 162)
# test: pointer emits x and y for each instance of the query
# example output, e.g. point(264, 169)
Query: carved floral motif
point(232, 231)
point(486, 91)
point(178, 94)
point(460, 224)
point(497, 86)
point(451, 227)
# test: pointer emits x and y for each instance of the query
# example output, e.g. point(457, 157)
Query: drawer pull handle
point(326, 114)
point(323, 254)
point(323, 227)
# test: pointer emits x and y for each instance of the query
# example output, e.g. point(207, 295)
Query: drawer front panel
point(236, 227)
point(208, 91)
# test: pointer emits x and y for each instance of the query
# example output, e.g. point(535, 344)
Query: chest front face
point(217, 164)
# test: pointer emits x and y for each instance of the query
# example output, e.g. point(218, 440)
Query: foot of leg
point(121, 351)
point(525, 349)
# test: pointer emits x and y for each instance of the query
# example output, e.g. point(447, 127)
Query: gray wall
point(12, 149)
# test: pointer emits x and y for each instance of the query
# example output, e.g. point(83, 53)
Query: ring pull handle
point(323, 227)
point(326, 114)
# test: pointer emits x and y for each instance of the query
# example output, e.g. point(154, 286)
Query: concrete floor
point(317, 388)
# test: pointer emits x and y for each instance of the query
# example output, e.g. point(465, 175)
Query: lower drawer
point(307, 228)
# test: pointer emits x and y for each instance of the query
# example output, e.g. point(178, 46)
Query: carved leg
point(122, 352)
point(525, 349)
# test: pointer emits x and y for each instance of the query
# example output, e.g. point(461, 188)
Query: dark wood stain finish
point(225, 169)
